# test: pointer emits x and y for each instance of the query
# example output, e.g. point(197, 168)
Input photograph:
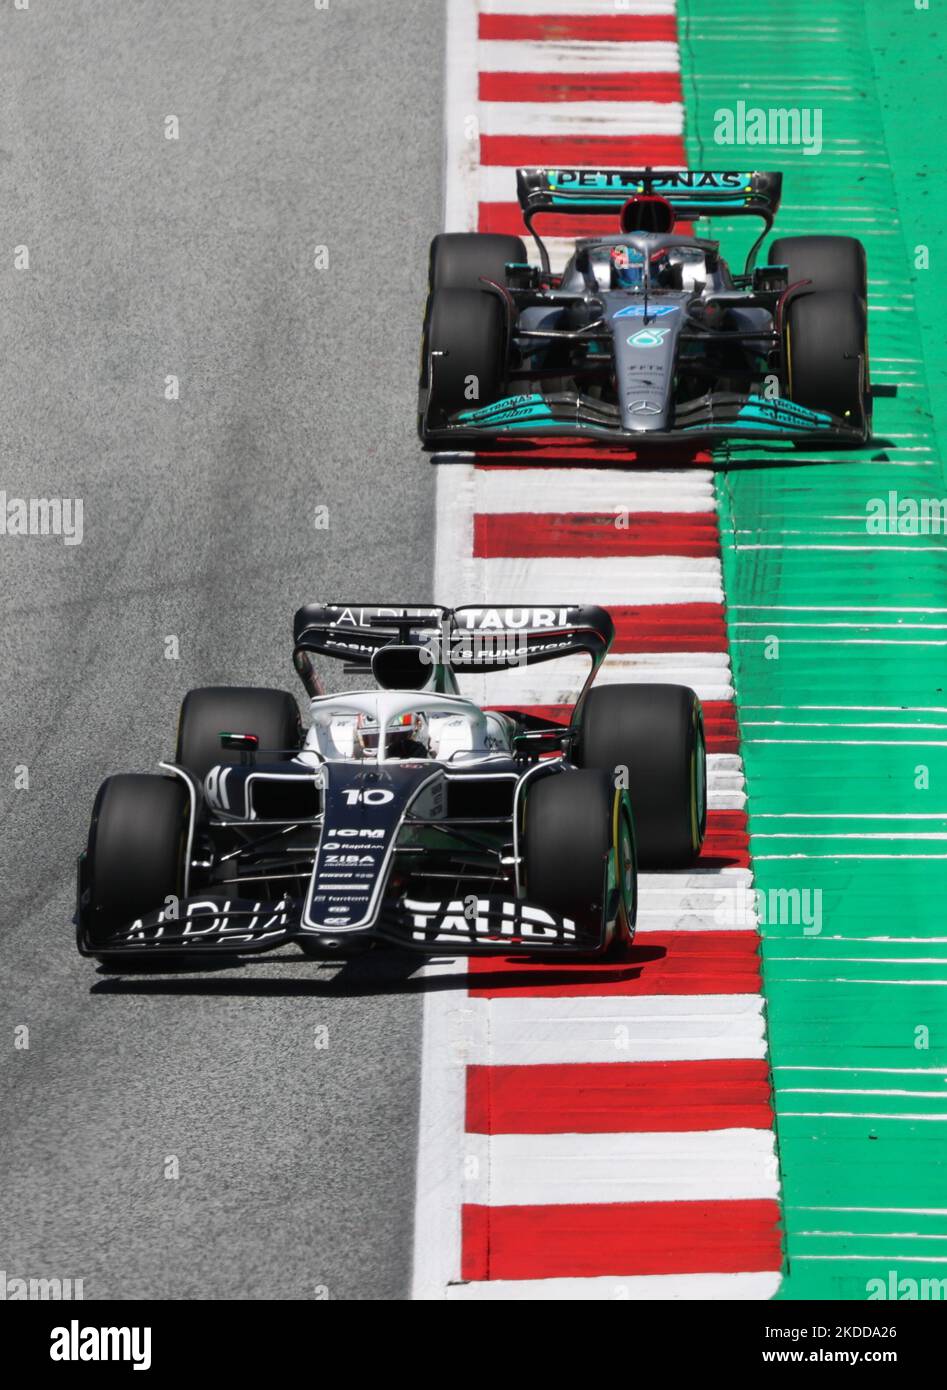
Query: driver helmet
point(627, 268)
point(367, 736)
point(408, 736)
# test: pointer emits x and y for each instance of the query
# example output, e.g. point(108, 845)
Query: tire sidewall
point(136, 854)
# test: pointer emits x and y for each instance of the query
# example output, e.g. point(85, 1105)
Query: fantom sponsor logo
point(42, 516)
point(77, 1343)
point(14, 1288)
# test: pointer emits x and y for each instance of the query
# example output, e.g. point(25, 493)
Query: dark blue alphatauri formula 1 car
point(406, 812)
point(647, 336)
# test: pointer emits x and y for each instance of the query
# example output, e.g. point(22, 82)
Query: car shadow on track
point(377, 973)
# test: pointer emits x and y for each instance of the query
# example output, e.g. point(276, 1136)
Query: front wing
point(711, 419)
point(213, 924)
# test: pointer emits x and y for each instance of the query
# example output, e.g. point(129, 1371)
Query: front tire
point(463, 260)
point(136, 852)
point(574, 822)
point(656, 734)
point(827, 354)
point(467, 329)
point(830, 262)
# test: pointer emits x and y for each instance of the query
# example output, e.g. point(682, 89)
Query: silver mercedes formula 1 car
point(406, 812)
point(647, 336)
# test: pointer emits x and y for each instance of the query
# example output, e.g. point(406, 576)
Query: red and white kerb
point(594, 1131)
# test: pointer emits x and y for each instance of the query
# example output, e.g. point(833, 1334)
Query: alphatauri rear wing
point(400, 645)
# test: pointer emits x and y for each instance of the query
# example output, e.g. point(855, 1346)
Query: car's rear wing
point(535, 633)
point(470, 638)
point(691, 192)
point(353, 632)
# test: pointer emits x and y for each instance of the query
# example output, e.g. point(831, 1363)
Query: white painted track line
point(619, 579)
point(711, 900)
point(731, 1288)
point(623, 1028)
point(570, 55)
point(600, 490)
point(577, 7)
point(438, 1191)
point(581, 117)
point(715, 1165)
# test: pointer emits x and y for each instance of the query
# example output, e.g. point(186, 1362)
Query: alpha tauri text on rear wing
point(471, 638)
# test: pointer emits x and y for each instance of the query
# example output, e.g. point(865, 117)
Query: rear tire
point(462, 260)
point(827, 354)
point(830, 262)
point(657, 733)
point(136, 852)
point(469, 328)
point(570, 832)
point(272, 715)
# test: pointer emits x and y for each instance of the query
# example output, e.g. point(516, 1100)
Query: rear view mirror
point(247, 743)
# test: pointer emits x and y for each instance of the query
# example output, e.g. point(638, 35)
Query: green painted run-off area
point(844, 721)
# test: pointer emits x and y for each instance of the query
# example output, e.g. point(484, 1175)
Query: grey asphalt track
point(194, 258)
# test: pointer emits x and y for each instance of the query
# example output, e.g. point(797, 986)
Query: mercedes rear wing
point(691, 193)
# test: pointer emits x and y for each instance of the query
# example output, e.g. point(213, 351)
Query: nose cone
point(645, 347)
